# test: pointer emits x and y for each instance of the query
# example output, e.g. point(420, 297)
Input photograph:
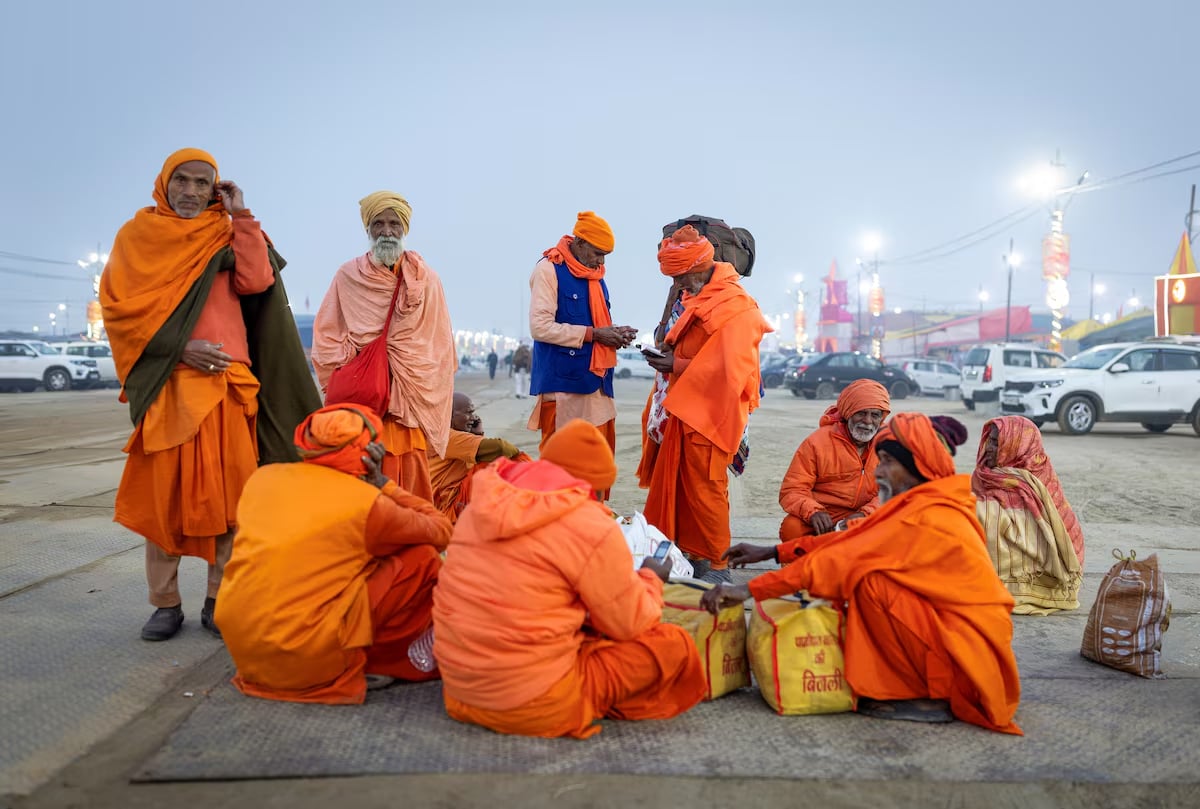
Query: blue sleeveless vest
point(559, 369)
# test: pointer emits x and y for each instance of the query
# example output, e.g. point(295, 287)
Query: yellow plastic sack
point(796, 655)
point(720, 639)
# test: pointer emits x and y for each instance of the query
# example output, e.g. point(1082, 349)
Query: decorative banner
point(1056, 256)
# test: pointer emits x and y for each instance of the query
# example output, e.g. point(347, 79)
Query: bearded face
point(864, 424)
point(387, 249)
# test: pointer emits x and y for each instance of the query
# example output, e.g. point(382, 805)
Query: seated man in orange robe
point(710, 358)
point(192, 300)
point(465, 448)
point(333, 570)
point(420, 343)
point(831, 481)
point(543, 625)
point(928, 631)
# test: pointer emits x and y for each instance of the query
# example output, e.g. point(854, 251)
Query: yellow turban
point(372, 205)
point(594, 230)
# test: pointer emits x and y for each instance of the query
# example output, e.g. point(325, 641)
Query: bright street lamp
point(1013, 260)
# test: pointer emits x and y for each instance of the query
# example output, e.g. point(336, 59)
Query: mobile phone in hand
point(660, 553)
point(650, 350)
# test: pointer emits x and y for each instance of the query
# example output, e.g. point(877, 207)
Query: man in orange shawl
point(1033, 536)
point(710, 358)
point(574, 341)
point(466, 448)
point(928, 626)
point(420, 342)
point(543, 625)
point(333, 569)
point(831, 480)
point(192, 300)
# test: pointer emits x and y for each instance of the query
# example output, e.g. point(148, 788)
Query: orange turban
point(579, 448)
point(337, 436)
point(684, 252)
point(173, 162)
point(917, 434)
point(594, 230)
point(859, 395)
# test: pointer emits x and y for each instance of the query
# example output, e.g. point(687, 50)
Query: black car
point(775, 369)
point(822, 376)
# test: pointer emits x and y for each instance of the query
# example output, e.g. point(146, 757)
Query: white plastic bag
point(643, 538)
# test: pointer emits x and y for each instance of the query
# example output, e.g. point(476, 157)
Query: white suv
point(98, 351)
point(934, 376)
point(1154, 383)
point(26, 364)
point(987, 367)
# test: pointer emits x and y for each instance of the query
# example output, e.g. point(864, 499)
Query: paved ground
point(84, 703)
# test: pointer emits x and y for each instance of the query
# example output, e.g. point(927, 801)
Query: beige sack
point(1131, 613)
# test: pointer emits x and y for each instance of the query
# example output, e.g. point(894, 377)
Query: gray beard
point(387, 250)
point(885, 491)
point(862, 435)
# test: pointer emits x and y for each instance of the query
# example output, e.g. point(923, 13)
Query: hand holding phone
point(660, 553)
point(650, 350)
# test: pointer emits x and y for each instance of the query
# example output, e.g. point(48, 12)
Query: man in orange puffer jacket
point(542, 625)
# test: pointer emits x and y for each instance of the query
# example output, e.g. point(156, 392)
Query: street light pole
point(1011, 260)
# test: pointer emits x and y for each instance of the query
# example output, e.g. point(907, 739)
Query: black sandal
point(906, 710)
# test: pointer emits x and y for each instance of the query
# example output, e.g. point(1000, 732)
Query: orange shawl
point(421, 351)
point(1019, 447)
point(719, 390)
point(915, 432)
point(156, 258)
point(603, 357)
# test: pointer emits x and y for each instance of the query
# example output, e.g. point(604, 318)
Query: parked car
point(933, 376)
point(775, 372)
point(101, 353)
point(822, 376)
point(26, 364)
point(987, 367)
point(632, 363)
point(1153, 383)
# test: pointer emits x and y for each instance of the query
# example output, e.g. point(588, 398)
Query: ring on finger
point(212, 367)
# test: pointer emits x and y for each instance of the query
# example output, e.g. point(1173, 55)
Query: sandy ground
point(60, 461)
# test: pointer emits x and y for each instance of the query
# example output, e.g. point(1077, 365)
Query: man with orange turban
point(333, 569)
point(710, 360)
point(574, 341)
point(570, 632)
point(192, 302)
point(466, 449)
point(421, 358)
point(831, 480)
point(928, 633)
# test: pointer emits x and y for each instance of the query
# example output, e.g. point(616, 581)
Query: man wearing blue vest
point(574, 342)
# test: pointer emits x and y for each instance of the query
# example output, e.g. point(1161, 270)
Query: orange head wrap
point(579, 448)
point(337, 436)
point(595, 231)
point(173, 162)
point(929, 445)
point(686, 251)
point(859, 395)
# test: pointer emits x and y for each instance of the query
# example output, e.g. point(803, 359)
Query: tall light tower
point(95, 266)
point(799, 319)
point(871, 244)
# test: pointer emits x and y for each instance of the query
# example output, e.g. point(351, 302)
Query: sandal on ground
point(907, 710)
point(377, 681)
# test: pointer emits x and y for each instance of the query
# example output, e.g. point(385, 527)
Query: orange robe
point(710, 396)
point(448, 471)
point(573, 634)
point(330, 578)
point(827, 474)
point(927, 615)
point(192, 452)
point(421, 355)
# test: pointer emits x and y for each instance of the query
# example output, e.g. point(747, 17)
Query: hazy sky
point(808, 123)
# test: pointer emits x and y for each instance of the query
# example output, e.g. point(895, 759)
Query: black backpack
point(733, 245)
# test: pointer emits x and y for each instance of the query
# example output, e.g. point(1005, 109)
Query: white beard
point(862, 434)
point(387, 250)
point(885, 491)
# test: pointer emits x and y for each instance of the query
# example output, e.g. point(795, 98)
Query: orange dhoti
point(548, 413)
point(655, 676)
point(188, 460)
point(688, 498)
point(400, 592)
point(406, 461)
point(899, 653)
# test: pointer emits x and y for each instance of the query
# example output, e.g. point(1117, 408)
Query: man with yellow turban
point(543, 626)
point(710, 360)
point(574, 342)
point(928, 634)
point(831, 480)
point(333, 569)
point(211, 365)
point(421, 358)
